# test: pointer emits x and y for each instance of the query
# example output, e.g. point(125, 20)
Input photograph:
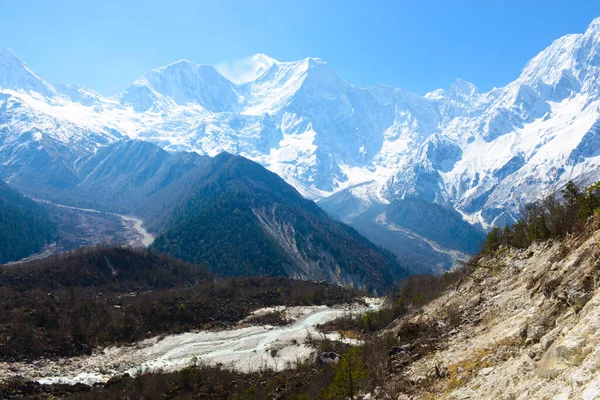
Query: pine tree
point(571, 195)
point(350, 375)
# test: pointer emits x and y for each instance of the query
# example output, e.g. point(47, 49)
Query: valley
point(87, 227)
point(480, 155)
point(225, 212)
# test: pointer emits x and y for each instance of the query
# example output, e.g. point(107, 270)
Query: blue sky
point(416, 45)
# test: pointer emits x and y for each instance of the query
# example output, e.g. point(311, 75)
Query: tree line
point(554, 217)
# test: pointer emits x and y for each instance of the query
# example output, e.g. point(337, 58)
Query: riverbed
point(245, 348)
point(137, 234)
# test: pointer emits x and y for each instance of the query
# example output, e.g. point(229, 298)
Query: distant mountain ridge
point(482, 154)
point(226, 212)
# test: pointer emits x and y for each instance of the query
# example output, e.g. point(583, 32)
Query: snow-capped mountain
point(482, 154)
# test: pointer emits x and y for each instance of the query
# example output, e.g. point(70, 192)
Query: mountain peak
point(247, 69)
point(463, 87)
point(563, 67)
point(263, 58)
point(460, 89)
point(594, 26)
point(320, 68)
point(16, 75)
point(182, 82)
point(185, 66)
point(7, 53)
point(437, 94)
point(180, 63)
point(315, 61)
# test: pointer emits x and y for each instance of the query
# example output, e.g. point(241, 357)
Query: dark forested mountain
point(427, 237)
point(140, 178)
point(24, 225)
point(226, 212)
point(245, 220)
point(442, 225)
point(120, 177)
point(131, 172)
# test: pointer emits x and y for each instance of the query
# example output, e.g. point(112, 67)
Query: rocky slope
point(523, 324)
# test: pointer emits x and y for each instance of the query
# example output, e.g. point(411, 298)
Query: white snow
point(475, 152)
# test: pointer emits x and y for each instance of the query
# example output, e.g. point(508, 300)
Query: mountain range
point(359, 152)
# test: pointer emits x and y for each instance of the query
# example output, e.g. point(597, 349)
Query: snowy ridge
point(483, 154)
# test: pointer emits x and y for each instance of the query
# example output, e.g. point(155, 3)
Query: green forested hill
point(24, 225)
point(245, 220)
point(226, 212)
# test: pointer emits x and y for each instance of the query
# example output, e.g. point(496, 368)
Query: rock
point(328, 358)
point(486, 371)
point(561, 355)
point(535, 352)
point(547, 340)
point(591, 393)
point(573, 350)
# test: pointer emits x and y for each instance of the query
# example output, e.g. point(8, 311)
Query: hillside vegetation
point(71, 303)
point(24, 225)
point(552, 218)
point(244, 220)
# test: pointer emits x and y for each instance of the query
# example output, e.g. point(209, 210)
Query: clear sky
point(417, 45)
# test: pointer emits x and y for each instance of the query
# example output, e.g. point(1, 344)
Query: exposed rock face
point(524, 325)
